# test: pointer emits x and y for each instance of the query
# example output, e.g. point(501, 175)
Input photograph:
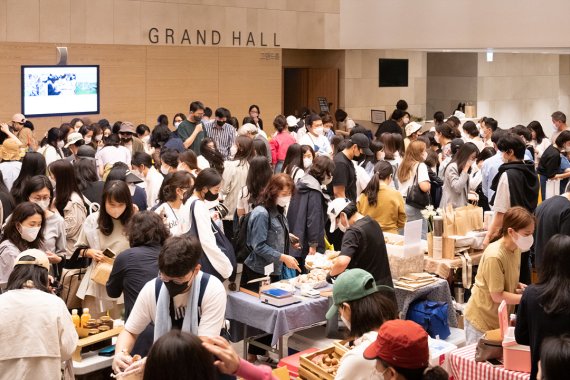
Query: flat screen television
point(393, 73)
point(60, 90)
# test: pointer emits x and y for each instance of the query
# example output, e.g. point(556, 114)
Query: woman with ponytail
point(498, 275)
point(381, 201)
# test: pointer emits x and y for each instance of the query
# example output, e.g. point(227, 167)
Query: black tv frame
point(392, 83)
point(59, 114)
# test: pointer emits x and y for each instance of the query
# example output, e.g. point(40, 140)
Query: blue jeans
point(412, 214)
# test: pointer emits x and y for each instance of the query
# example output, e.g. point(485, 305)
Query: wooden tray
point(305, 374)
point(90, 340)
point(308, 365)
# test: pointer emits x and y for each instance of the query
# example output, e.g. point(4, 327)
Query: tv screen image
point(393, 73)
point(60, 90)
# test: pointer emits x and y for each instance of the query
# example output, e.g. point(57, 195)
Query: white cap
point(72, 138)
point(40, 258)
point(335, 208)
point(412, 127)
point(292, 121)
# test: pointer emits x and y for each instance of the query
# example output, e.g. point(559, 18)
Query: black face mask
point(220, 123)
point(209, 196)
point(126, 140)
point(175, 289)
point(197, 120)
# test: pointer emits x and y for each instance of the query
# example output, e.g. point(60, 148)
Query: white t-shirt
point(153, 182)
point(213, 309)
point(243, 200)
point(202, 162)
point(353, 365)
point(112, 154)
point(502, 195)
point(423, 176)
point(173, 218)
point(10, 171)
point(320, 144)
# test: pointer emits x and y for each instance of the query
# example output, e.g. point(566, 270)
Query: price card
point(268, 269)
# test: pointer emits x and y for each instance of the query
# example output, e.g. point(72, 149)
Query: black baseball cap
point(362, 142)
point(85, 151)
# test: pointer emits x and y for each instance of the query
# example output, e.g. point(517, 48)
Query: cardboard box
point(318, 372)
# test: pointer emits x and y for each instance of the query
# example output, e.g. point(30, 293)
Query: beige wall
point(140, 82)
point(451, 78)
point(518, 88)
point(361, 91)
point(297, 23)
point(460, 24)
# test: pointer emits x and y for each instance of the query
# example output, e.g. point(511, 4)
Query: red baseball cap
point(400, 343)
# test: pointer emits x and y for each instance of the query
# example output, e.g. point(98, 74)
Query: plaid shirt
point(223, 136)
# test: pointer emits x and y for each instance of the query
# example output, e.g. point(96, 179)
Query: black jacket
point(523, 184)
point(307, 215)
point(549, 162)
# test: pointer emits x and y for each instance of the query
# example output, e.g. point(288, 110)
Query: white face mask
point(319, 131)
point(60, 144)
point(307, 162)
point(327, 180)
point(176, 125)
point(164, 169)
point(29, 234)
point(115, 212)
point(523, 242)
point(98, 137)
point(87, 140)
point(283, 201)
point(146, 139)
point(43, 204)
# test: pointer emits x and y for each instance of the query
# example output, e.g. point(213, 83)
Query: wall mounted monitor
point(393, 73)
point(60, 90)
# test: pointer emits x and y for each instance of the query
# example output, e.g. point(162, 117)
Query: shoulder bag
point(415, 196)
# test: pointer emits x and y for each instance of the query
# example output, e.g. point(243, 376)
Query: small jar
point(103, 328)
point(93, 331)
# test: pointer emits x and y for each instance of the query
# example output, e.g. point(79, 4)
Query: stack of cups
point(437, 245)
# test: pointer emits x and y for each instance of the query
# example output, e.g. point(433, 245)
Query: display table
point(437, 291)
point(250, 317)
point(464, 367)
point(91, 362)
point(443, 267)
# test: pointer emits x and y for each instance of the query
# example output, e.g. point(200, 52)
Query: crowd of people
point(191, 199)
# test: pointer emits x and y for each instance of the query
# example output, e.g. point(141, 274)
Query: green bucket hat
point(351, 285)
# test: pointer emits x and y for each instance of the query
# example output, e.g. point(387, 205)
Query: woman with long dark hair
point(68, 201)
point(39, 190)
point(545, 307)
point(210, 156)
point(234, 178)
point(456, 176)
point(88, 181)
point(257, 179)
point(173, 193)
point(51, 146)
point(23, 231)
point(539, 140)
point(120, 172)
point(6, 199)
point(104, 229)
point(381, 201)
point(293, 163)
point(188, 162)
point(34, 347)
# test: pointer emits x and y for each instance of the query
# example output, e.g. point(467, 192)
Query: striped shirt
point(223, 136)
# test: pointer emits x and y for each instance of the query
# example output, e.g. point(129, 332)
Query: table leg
point(245, 341)
point(280, 343)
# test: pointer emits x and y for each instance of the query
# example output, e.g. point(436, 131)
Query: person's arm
point(522, 334)
point(114, 284)
point(190, 140)
point(566, 174)
point(6, 129)
point(485, 179)
point(219, 261)
point(495, 276)
point(67, 334)
point(494, 229)
point(350, 246)
point(423, 178)
point(339, 191)
point(402, 217)
point(508, 297)
point(340, 265)
point(213, 309)
point(314, 231)
point(458, 179)
point(74, 215)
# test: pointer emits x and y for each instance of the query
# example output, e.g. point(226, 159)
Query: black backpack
point(239, 240)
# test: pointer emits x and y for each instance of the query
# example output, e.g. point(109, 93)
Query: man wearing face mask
point(516, 184)
point(363, 243)
point(315, 138)
point(182, 297)
point(191, 130)
point(307, 211)
point(221, 132)
point(343, 184)
point(128, 138)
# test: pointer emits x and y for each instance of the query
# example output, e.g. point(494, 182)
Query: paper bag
point(467, 219)
point(448, 221)
point(552, 188)
point(102, 271)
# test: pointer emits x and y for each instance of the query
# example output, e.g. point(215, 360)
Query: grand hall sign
point(203, 37)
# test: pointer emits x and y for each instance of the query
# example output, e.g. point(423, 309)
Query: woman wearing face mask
point(315, 137)
point(293, 165)
point(39, 190)
point(68, 201)
point(207, 187)
point(120, 172)
point(171, 196)
point(176, 120)
point(188, 162)
point(104, 229)
point(328, 125)
point(24, 230)
point(234, 178)
point(456, 176)
point(33, 164)
point(307, 213)
point(51, 146)
point(363, 307)
point(378, 154)
point(268, 236)
point(143, 133)
point(381, 201)
point(88, 132)
point(413, 166)
point(498, 275)
point(76, 124)
point(444, 133)
point(168, 161)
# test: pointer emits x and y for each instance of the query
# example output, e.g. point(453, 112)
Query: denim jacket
point(268, 237)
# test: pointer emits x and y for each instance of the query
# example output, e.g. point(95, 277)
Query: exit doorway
point(303, 86)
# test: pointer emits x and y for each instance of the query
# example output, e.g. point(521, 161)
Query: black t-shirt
point(553, 217)
point(364, 243)
point(94, 191)
point(344, 175)
point(388, 126)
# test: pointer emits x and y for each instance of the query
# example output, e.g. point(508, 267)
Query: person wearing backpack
point(181, 297)
point(307, 213)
